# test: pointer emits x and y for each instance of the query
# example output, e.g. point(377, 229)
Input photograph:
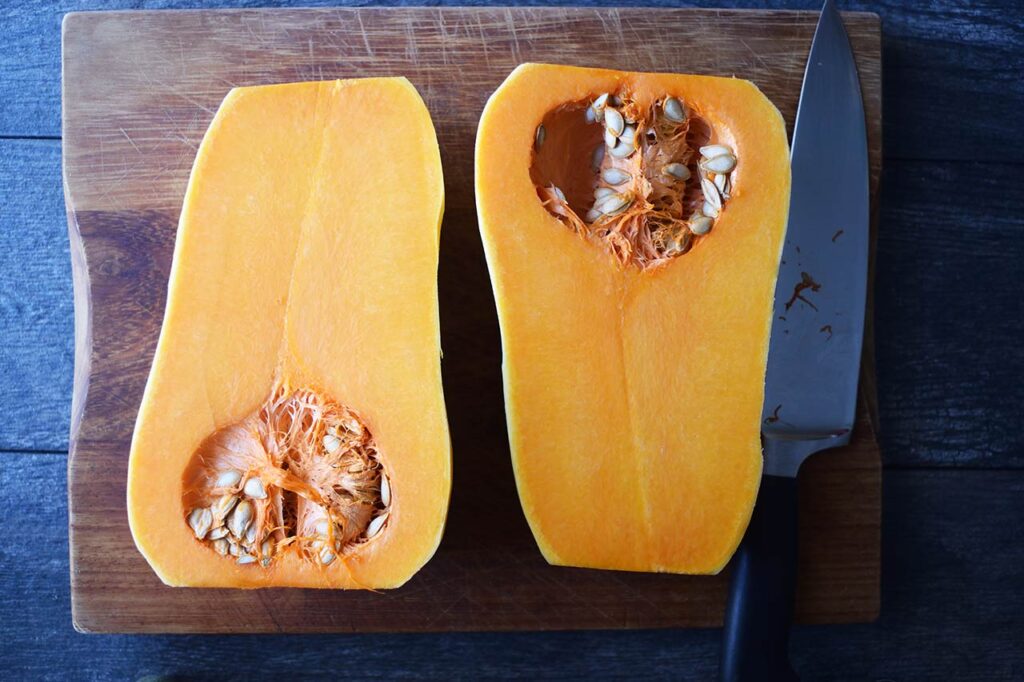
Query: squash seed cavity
point(302, 474)
point(648, 180)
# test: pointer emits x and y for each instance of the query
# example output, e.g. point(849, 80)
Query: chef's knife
point(814, 353)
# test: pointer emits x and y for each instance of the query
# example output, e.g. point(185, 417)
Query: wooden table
point(948, 321)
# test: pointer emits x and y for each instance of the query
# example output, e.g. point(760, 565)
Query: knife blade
point(815, 348)
point(818, 328)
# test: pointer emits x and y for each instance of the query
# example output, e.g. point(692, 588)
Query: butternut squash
point(293, 429)
point(633, 224)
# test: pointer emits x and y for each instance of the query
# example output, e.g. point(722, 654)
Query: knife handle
point(755, 643)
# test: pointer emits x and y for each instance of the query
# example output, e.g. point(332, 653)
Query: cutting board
point(139, 91)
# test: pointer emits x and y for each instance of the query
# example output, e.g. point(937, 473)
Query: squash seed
point(385, 491)
point(593, 215)
point(200, 521)
point(591, 115)
point(326, 556)
point(331, 443)
point(710, 151)
point(677, 171)
point(254, 489)
point(610, 139)
point(222, 506)
point(599, 104)
point(674, 110)
point(221, 547)
point(602, 192)
point(628, 135)
point(721, 179)
point(233, 548)
point(622, 150)
point(539, 136)
point(613, 122)
point(709, 210)
point(614, 203)
point(615, 176)
point(597, 158)
point(218, 532)
point(700, 224)
point(711, 194)
point(250, 534)
point(228, 478)
point(240, 518)
point(558, 193)
point(723, 163)
point(322, 527)
point(376, 525)
point(245, 558)
point(353, 426)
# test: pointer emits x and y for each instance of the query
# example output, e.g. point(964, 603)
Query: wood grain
point(140, 89)
point(949, 290)
point(936, 52)
point(946, 616)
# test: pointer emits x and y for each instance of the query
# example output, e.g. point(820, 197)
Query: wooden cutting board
point(139, 91)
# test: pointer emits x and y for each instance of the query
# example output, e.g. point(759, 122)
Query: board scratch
point(366, 38)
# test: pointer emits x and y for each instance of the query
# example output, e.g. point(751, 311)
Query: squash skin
point(633, 398)
point(286, 270)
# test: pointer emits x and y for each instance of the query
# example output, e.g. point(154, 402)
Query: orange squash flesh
point(306, 258)
point(633, 395)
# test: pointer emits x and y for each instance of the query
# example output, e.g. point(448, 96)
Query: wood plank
point(941, 51)
point(936, 53)
point(36, 340)
point(952, 609)
point(950, 314)
point(130, 136)
point(924, 69)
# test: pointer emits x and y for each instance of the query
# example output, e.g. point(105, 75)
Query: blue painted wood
point(950, 315)
point(36, 328)
point(952, 608)
point(952, 67)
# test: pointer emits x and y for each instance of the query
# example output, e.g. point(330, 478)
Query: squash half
point(301, 318)
point(633, 390)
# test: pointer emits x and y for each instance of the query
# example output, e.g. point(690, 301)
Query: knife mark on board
point(827, 329)
point(836, 235)
point(806, 282)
